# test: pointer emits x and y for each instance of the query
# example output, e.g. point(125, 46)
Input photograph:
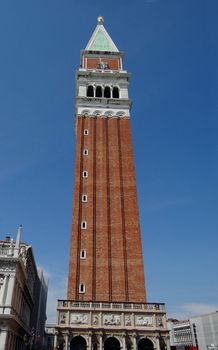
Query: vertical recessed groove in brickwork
point(80, 211)
point(123, 212)
point(94, 212)
point(108, 211)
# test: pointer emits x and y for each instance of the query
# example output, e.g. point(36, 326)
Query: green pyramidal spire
point(101, 40)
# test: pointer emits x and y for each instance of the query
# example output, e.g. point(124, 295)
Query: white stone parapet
point(103, 315)
point(128, 322)
point(154, 307)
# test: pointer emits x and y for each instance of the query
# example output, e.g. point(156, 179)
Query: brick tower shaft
point(105, 255)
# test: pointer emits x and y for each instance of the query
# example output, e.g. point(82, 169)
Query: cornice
point(103, 102)
point(102, 73)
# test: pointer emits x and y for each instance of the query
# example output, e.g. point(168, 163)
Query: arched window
point(83, 225)
point(84, 198)
point(115, 92)
point(82, 254)
point(98, 92)
point(85, 173)
point(82, 288)
point(107, 92)
point(90, 91)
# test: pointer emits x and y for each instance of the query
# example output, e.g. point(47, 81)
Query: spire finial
point(100, 20)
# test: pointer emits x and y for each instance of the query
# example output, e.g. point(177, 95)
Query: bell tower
point(106, 256)
point(106, 299)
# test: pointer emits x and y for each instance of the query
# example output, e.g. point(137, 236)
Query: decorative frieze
point(8, 266)
point(79, 319)
point(142, 320)
point(103, 112)
point(111, 320)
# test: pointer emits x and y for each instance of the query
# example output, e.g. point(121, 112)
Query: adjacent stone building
point(200, 332)
point(106, 306)
point(23, 294)
point(180, 333)
point(50, 331)
point(205, 331)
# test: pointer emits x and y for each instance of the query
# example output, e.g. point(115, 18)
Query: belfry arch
point(98, 91)
point(78, 343)
point(90, 91)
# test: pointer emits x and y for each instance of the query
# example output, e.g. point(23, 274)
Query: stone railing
point(5, 251)
point(69, 304)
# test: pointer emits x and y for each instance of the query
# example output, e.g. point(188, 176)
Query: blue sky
point(171, 49)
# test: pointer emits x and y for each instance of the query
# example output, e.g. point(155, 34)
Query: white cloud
point(46, 273)
point(55, 293)
point(186, 311)
point(57, 289)
point(199, 309)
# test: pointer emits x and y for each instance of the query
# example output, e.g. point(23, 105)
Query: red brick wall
point(113, 269)
point(92, 63)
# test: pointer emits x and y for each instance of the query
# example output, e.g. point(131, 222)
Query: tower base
point(85, 325)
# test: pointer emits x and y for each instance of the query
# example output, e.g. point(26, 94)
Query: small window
point(85, 152)
point(84, 198)
point(90, 91)
point(82, 288)
point(83, 225)
point(115, 92)
point(107, 92)
point(85, 132)
point(85, 173)
point(98, 92)
point(82, 254)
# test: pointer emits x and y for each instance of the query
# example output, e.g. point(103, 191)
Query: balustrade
point(95, 305)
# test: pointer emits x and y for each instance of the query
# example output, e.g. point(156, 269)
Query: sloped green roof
point(101, 41)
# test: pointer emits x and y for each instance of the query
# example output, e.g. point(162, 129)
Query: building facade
point(48, 343)
point(205, 331)
point(19, 303)
point(180, 334)
point(106, 305)
point(38, 316)
point(200, 332)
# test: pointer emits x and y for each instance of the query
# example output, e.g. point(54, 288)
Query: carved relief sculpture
point(63, 318)
point(95, 320)
point(111, 320)
point(144, 320)
point(128, 320)
point(79, 318)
